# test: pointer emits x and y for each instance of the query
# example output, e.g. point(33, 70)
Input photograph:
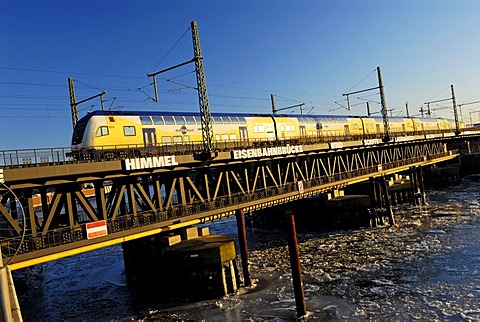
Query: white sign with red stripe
point(96, 229)
point(300, 186)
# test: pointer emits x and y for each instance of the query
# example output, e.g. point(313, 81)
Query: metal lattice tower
point(207, 128)
point(73, 104)
point(455, 112)
point(386, 124)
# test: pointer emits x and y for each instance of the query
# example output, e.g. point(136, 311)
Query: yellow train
point(117, 129)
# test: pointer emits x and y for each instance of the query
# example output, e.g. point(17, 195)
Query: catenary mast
point(207, 128)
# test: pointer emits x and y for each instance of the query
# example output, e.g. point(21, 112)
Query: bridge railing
point(29, 157)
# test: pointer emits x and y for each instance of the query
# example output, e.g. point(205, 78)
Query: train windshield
point(78, 132)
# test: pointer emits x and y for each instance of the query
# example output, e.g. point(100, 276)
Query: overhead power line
point(68, 72)
point(162, 59)
point(373, 71)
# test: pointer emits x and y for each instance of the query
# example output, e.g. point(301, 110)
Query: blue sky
point(302, 51)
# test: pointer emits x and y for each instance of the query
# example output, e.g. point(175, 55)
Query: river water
point(427, 267)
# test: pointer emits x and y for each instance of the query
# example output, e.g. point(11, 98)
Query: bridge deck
point(62, 242)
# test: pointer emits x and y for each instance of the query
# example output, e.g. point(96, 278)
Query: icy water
point(425, 268)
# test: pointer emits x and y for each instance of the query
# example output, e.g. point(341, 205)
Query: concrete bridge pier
point(187, 262)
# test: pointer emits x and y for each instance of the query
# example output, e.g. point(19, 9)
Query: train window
point(102, 131)
point(224, 137)
point(234, 119)
point(177, 140)
point(288, 128)
point(226, 120)
point(282, 128)
point(169, 120)
point(190, 120)
point(129, 130)
point(186, 138)
point(179, 119)
point(157, 120)
point(79, 132)
point(232, 137)
point(242, 120)
point(145, 120)
point(258, 128)
point(166, 140)
point(217, 120)
point(217, 137)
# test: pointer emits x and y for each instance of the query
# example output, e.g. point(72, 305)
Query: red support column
point(388, 204)
point(242, 239)
point(295, 264)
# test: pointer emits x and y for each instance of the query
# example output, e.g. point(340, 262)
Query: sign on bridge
point(96, 229)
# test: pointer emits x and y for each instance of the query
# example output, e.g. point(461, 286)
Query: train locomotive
point(116, 130)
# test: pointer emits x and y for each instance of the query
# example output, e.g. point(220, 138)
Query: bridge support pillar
point(418, 187)
point(372, 193)
point(413, 185)
point(422, 186)
point(295, 264)
point(388, 205)
point(373, 203)
point(242, 239)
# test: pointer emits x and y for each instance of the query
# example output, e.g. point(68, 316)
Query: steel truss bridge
point(45, 207)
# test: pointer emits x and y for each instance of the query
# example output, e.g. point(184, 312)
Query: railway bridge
point(48, 199)
point(54, 205)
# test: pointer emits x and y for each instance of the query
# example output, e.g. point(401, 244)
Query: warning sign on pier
point(96, 229)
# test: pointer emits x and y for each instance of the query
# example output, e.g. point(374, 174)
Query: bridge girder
point(153, 198)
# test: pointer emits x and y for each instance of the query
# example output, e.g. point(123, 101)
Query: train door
point(302, 131)
point(149, 137)
point(243, 133)
point(378, 128)
point(346, 128)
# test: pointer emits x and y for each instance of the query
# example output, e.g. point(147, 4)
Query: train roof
point(170, 113)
